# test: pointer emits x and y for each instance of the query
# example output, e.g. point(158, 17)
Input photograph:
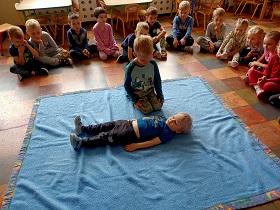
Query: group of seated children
point(254, 48)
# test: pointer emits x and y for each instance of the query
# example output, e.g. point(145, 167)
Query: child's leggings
point(272, 87)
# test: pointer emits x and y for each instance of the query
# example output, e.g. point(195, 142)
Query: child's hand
point(138, 105)
point(249, 55)
point(211, 46)
point(218, 54)
point(261, 80)
point(217, 29)
point(24, 43)
point(253, 63)
point(161, 100)
point(130, 147)
point(155, 39)
point(175, 43)
point(21, 49)
point(183, 42)
point(37, 40)
point(86, 53)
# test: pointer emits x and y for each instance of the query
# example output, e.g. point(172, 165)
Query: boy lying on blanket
point(134, 134)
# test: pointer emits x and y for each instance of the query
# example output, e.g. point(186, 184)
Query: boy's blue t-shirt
point(129, 41)
point(154, 126)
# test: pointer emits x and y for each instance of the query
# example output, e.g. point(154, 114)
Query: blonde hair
point(32, 24)
point(143, 45)
point(151, 11)
point(186, 122)
point(241, 21)
point(219, 12)
point(275, 35)
point(257, 31)
point(15, 32)
point(184, 5)
point(142, 25)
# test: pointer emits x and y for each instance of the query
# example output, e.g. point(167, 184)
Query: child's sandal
point(163, 55)
point(157, 55)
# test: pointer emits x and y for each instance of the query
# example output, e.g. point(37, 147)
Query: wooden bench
point(3, 28)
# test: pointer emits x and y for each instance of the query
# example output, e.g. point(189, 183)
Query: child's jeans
point(26, 69)
point(170, 39)
point(118, 132)
point(77, 54)
point(150, 103)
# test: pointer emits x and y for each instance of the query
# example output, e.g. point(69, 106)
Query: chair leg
point(255, 11)
point(123, 30)
point(238, 8)
point(117, 23)
point(204, 26)
point(243, 8)
point(196, 20)
point(63, 35)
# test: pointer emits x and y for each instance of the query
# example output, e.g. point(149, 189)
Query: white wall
point(8, 12)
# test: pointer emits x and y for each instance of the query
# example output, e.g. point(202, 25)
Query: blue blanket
point(219, 164)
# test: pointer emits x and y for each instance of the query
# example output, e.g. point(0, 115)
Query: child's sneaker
point(42, 71)
point(78, 125)
point(75, 141)
point(260, 94)
point(233, 64)
point(66, 62)
point(188, 49)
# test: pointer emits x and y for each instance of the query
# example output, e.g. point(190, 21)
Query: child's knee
point(146, 109)
point(157, 106)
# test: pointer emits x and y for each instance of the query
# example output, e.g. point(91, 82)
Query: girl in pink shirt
point(103, 35)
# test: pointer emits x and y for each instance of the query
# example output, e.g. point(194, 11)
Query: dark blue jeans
point(118, 132)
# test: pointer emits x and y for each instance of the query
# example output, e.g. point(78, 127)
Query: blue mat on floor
point(219, 164)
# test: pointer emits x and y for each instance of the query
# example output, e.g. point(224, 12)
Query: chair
point(206, 9)
point(115, 12)
point(62, 20)
point(131, 14)
point(275, 6)
point(142, 14)
point(256, 3)
point(44, 20)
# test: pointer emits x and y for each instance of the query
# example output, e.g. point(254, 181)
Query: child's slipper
point(157, 55)
point(163, 55)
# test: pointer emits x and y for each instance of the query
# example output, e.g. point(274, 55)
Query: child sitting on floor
point(154, 25)
point(254, 46)
point(48, 50)
point(142, 28)
point(78, 40)
point(267, 81)
point(215, 32)
point(134, 134)
point(234, 42)
point(182, 28)
point(142, 78)
point(103, 35)
point(24, 55)
point(269, 44)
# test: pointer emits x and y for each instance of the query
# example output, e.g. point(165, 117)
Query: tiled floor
point(17, 98)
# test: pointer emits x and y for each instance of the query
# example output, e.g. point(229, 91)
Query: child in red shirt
point(269, 79)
